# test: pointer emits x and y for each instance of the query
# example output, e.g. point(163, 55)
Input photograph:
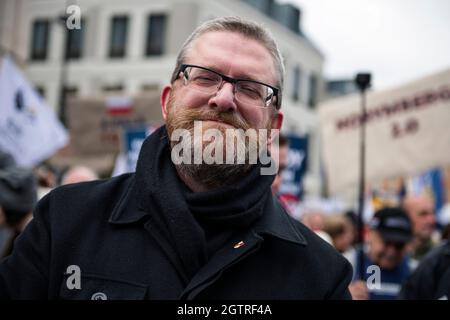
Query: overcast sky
point(396, 40)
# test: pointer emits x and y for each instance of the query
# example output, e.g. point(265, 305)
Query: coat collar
point(127, 209)
point(275, 222)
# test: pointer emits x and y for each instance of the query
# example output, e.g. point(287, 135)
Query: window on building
point(118, 39)
point(74, 42)
point(70, 92)
point(150, 87)
point(40, 39)
point(296, 83)
point(156, 35)
point(41, 91)
point(312, 96)
point(113, 88)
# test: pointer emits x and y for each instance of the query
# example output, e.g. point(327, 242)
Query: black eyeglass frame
point(183, 68)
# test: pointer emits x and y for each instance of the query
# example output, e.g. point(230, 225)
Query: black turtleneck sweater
point(196, 224)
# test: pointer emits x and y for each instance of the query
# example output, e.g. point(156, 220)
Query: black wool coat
point(91, 241)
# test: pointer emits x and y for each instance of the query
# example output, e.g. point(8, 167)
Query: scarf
point(195, 224)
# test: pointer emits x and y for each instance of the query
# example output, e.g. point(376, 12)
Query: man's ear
point(164, 99)
point(277, 121)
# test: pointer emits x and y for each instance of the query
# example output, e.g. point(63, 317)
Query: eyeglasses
point(247, 92)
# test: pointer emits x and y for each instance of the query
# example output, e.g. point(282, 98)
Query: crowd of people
point(21, 188)
point(405, 250)
point(406, 243)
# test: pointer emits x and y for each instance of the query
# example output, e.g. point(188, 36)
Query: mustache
point(188, 115)
point(228, 118)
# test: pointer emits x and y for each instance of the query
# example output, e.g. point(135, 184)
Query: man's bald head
point(421, 212)
point(79, 174)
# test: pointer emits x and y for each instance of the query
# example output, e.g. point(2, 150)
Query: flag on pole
point(29, 129)
point(119, 105)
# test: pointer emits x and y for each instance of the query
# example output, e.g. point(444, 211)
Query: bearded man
point(197, 220)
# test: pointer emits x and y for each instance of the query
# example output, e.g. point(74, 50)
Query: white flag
point(407, 132)
point(29, 129)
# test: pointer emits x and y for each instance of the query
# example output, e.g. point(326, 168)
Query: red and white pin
point(239, 244)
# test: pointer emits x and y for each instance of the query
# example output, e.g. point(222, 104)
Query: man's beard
point(213, 175)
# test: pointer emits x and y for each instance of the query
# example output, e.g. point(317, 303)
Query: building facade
point(129, 47)
point(340, 87)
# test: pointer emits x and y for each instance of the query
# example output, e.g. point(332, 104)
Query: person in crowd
point(280, 155)
point(420, 210)
point(353, 218)
point(431, 279)
point(340, 229)
point(315, 221)
point(384, 264)
point(444, 221)
point(47, 178)
point(6, 160)
point(17, 199)
point(179, 227)
point(78, 174)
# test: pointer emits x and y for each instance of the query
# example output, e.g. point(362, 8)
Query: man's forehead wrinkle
point(235, 59)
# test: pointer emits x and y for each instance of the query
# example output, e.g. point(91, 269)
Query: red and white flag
point(119, 105)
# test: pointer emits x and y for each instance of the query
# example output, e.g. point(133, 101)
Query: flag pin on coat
point(239, 244)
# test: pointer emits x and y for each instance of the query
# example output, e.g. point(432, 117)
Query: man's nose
point(224, 98)
point(390, 250)
point(431, 219)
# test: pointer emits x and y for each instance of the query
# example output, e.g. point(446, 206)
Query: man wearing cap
point(385, 262)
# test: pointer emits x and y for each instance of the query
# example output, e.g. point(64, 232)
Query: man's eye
point(204, 79)
point(424, 213)
point(251, 91)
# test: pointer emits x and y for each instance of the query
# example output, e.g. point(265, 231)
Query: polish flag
point(118, 105)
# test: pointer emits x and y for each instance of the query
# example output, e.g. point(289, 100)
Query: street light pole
point(362, 81)
point(63, 69)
